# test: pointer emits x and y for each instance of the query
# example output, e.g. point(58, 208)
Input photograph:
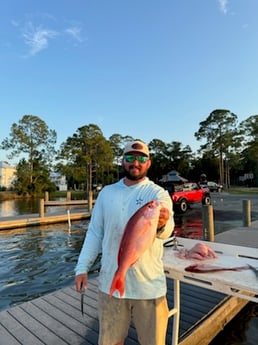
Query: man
point(144, 300)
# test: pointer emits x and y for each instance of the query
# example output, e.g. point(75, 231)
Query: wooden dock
point(35, 219)
point(55, 318)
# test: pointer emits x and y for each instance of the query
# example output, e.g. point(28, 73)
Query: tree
point(32, 137)
point(117, 143)
point(180, 157)
point(87, 152)
point(222, 138)
point(41, 179)
point(159, 165)
point(249, 128)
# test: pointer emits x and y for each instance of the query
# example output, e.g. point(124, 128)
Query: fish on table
point(200, 251)
point(203, 268)
point(139, 233)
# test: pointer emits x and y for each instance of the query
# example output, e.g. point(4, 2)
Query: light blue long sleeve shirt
point(114, 206)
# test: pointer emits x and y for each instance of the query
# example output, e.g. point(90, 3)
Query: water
point(9, 208)
point(242, 330)
point(38, 260)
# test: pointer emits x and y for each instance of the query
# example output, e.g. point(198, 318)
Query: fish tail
point(118, 283)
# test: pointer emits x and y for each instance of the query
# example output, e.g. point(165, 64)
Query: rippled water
point(37, 260)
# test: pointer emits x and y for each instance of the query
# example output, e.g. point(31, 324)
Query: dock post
point(68, 195)
point(208, 222)
point(247, 213)
point(90, 200)
point(46, 196)
point(41, 208)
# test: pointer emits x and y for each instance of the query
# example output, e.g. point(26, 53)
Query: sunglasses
point(132, 158)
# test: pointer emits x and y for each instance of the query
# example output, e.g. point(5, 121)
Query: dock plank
point(6, 337)
point(19, 331)
point(68, 332)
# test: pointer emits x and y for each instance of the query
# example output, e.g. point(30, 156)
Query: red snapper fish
point(139, 233)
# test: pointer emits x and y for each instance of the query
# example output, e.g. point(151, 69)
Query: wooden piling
point(68, 195)
point(208, 222)
point(46, 196)
point(41, 208)
point(90, 198)
point(247, 213)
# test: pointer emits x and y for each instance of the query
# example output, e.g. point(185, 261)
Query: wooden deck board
point(7, 338)
point(55, 318)
point(67, 328)
point(20, 331)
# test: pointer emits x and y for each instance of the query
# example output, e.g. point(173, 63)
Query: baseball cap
point(137, 146)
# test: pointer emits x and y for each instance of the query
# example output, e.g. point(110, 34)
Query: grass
point(242, 190)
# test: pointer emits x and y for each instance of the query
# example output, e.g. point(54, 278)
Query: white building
point(59, 181)
point(7, 175)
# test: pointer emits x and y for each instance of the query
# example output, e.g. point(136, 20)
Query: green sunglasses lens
point(132, 158)
point(129, 158)
point(141, 159)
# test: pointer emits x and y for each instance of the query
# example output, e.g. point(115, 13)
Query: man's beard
point(133, 177)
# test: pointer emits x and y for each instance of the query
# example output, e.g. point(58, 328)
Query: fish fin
point(118, 283)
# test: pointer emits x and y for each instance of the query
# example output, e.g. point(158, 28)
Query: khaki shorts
point(150, 318)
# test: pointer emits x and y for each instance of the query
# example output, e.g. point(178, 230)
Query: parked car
point(213, 186)
point(187, 194)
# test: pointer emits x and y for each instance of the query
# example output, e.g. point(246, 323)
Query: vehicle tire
point(206, 200)
point(183, 206)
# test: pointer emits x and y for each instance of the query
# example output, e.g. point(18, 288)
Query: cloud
point(223, 6)
point(37, 38)
point(14, 23)
point(75, 32)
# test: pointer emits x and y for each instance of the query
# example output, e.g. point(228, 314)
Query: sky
point(151, 69)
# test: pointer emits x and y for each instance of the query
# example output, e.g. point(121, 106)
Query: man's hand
point(163, 217)
point(81, 282)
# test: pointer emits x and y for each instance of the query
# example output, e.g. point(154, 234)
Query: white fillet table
point(243, 283)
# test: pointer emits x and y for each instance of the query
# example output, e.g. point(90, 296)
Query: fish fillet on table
point(202, 268)
point(139, 233)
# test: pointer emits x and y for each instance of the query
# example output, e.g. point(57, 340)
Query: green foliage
point(33, 139)
point(87, 158)
point(249, 153)
point(222, 138)
point(35, 184)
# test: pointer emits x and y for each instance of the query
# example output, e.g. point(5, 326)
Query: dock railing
point(44, 202)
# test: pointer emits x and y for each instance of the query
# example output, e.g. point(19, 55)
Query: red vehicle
point(187, 194)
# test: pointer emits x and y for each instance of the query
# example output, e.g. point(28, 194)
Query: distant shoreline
point(75, 195)
point(12, 195)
